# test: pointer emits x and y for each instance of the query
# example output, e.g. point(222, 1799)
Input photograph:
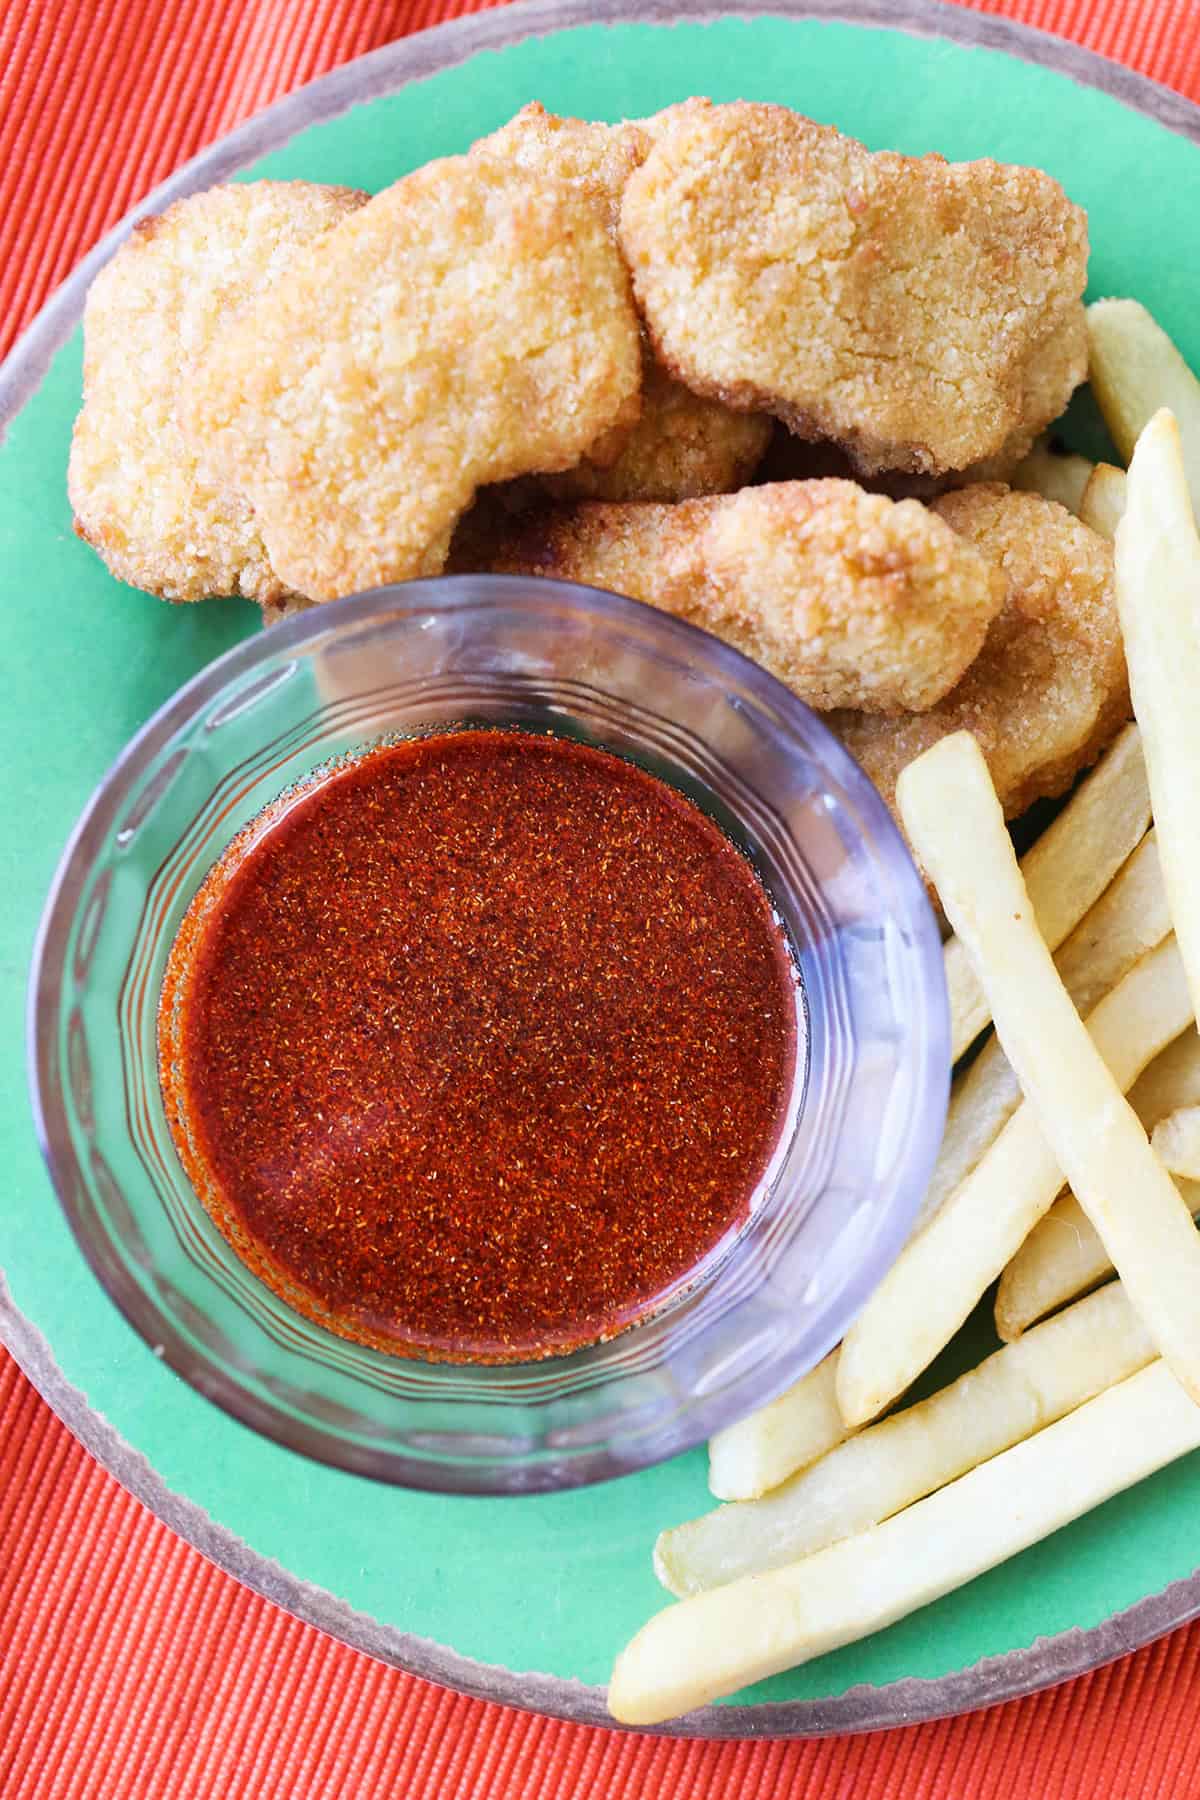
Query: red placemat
point(129, 1667)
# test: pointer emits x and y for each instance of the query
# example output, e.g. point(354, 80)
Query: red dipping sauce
point(477, 1046)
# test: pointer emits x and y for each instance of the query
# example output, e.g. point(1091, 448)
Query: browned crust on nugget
point(1049, 690)
point(893, 304)
point(682, 447)
point(684, 444)
point(599, 157)
point(837, 592)
point(470, 324)
point(140, 495)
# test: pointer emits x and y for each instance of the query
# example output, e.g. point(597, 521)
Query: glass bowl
point(844, 1187)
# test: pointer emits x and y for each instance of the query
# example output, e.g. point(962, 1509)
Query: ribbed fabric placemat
point(130, 1667)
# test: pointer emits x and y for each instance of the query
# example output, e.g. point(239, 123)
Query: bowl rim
point(231, 675)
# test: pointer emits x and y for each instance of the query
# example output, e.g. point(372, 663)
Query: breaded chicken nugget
point(470, 324)
point(849, 598)
point(683, 444)
point(681, 448)
point(895, 304)
point(138, 495)
point(601, 157)
point(1049, 689)
point(1051, 377)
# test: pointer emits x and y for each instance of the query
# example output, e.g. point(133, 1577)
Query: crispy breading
point(470, 324)
point(138, 495)
point(848, 597)
point(898, 305)
point(791, 458)
point(1049, 689)
point(681, 448)
point(1052, 376)
point(683, 444)
point(600, 157)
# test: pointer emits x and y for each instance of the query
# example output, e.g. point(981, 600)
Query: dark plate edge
point(864, 1708)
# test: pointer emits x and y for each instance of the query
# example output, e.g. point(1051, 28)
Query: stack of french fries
point(1069, 1171)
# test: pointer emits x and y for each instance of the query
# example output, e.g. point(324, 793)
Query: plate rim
point(1009, 1675)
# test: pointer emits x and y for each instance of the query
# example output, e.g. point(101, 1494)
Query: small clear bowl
point(842, 1193)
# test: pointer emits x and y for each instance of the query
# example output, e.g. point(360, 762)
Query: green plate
point(527, 1600)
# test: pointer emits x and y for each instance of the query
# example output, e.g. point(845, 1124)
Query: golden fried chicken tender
point(470, 324)
point(139, 497)
point(918, 312)
point(1049, 689)
point(683, 444)
point(848, 597)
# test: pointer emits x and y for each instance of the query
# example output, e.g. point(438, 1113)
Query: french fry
point(1128, 919)
point(758, 1452)
point(1135, 369)
point(1103, 500)
point(1171, 1081)
point(954, 821)
point(1158, 598)
point(1176, 1142)
point(1054, 474)
point(1066, 871)
point(1063, 1256)
point(941, 1273)
point(698, 1649)
point(1015, 1392)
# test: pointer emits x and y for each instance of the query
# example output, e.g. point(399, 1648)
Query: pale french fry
point(1128, 919)
point(1176, 1142)
point(698, 1649)
point(1062, 1256)
point(1103, 500)
point(954, 821)
point(1135, 369)
point(941, 1273)
point(1066, 871)
point(1060, 1259)
point(758, 1452)
point(1015, 1392)
point(1158, 598)
point(1054, 474)
point(1171, 1081)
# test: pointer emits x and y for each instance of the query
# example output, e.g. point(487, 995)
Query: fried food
point(1135, 369)
point(897, 1461)
point(470, 324)
point(599, 157)
point(1129, 919)
point(1051, 377)
point(1054, 474)
point(1103, 500)
point(943, 1272)
point(681, 448)
point(800, 1426)
point(683, 445)
point(1049, 690)
point(837, 592)
point(716, 1642)
point(1158, 597)
point(1176, 1142)
point(921, 313)
point(1067, 871)
point(1073, 1088)
point(140, 498)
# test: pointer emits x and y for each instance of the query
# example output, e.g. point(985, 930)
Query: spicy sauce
point(479, 1044)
